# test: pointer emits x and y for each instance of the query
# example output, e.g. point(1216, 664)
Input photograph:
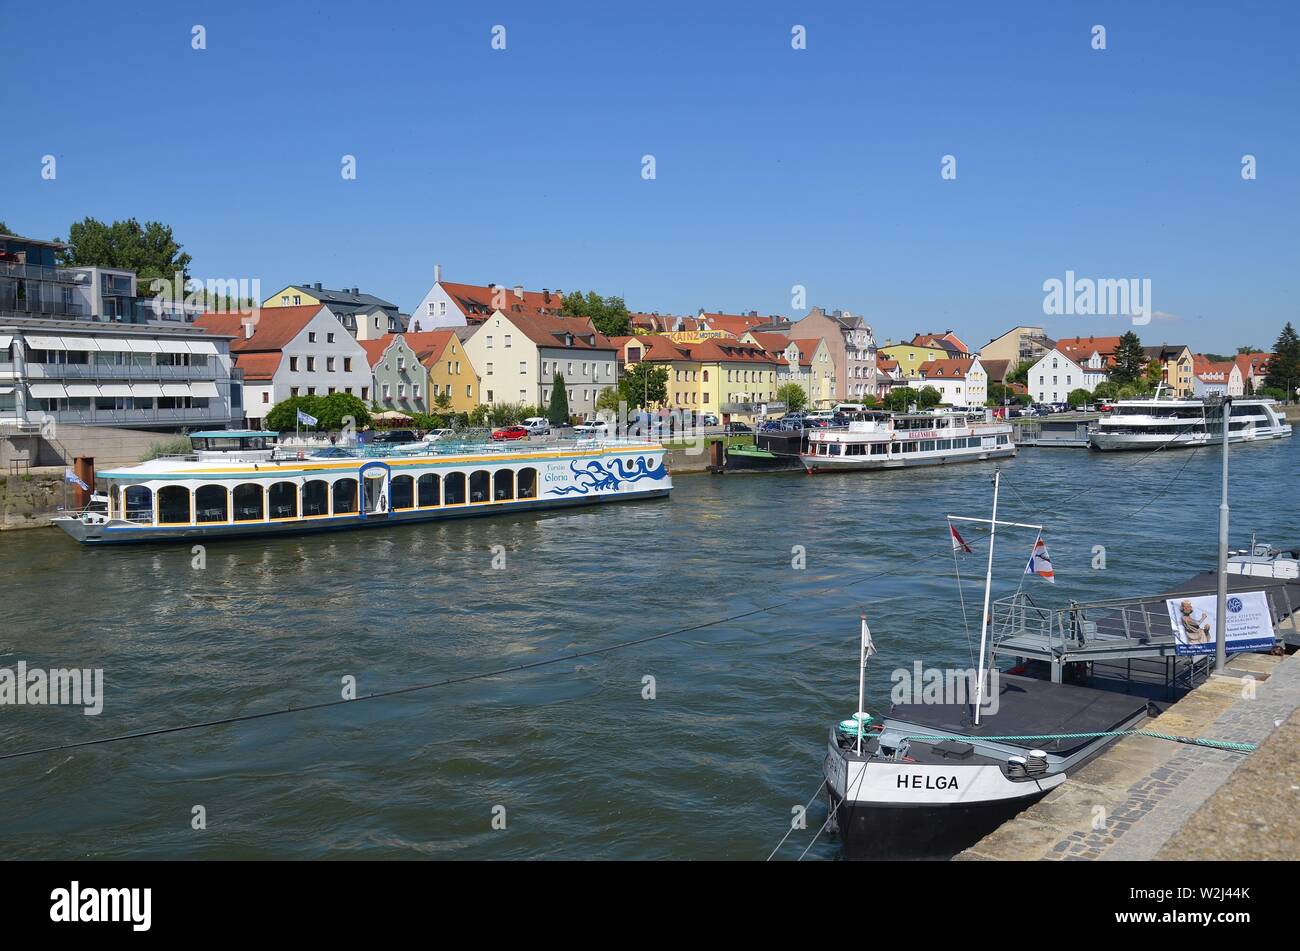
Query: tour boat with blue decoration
point(242, 483)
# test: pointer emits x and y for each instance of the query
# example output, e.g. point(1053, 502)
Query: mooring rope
point(806, 807)
point(1174, 737)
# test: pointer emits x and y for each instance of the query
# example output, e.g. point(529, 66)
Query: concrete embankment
point(30, 500)
point(1148, 798)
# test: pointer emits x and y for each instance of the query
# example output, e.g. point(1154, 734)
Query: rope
point(806, 807)
point(1193, 740)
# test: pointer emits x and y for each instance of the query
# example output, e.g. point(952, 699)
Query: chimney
point(519, 291)
point(437, 274)
point(355, 291)
point(546, 295)
point(248, 330)
point(318, 287)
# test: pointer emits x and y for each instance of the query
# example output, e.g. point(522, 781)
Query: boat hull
point(1135, 442)
point(123, 533)
point(867, 463)
point(927, 831)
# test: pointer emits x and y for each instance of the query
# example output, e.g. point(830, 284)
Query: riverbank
point(1148, 798)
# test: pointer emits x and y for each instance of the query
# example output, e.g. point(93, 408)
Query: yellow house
point(911, 358)
point(451, 372)
point(722, 377)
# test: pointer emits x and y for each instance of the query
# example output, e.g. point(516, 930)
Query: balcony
point(124, 371)
point(217, 413)
point(38, 272)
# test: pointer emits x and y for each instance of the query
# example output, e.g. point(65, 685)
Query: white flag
point(71, 477)
point(306, 418)
point(868, 646)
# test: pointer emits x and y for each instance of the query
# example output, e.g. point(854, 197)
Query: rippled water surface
point(583, 766)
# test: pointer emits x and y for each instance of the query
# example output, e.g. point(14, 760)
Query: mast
point(1221, 606)
point(988, 589)
point(862, 680)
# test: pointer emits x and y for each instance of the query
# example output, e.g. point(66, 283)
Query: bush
point(180, 446)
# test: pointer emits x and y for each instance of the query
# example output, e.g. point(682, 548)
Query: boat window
point(402, 490)
point(453, 488)
point(139, 503)
point(428, 486)
point(315, 497)
point(282, 498)
point(248, 502)
point(478, 486)
point(210, 503)
point(528, 483)
point(173, 505)
point(345, 496)
point(503, 485)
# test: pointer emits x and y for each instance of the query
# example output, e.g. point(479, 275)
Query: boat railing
point(1138, 621)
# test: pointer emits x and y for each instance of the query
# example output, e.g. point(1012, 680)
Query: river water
point(572, 756)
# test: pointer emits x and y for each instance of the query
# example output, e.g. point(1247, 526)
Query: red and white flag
point(1040, 563)
point(958, 543)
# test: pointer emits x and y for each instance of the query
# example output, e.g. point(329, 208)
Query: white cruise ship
point(1152, 423)
point(909, 439)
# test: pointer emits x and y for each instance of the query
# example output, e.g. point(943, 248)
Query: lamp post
point(1221, 606)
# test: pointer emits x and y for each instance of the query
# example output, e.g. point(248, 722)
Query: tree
point(558, 411)
point(609, 399)
point(1106, 390)
point(644, 384)
point(149, 250)
point(792, 395)
point(4, 228)
point(1130, 359)
point(1000, 394)
point(1154, 374)
point(442, 402)
point(1284, 365)
point(1021, 373)
point(1078, 398)
point(609, 315)
point(928, 397)
point(331, 412)
point(900, 398)
point(1248, 350)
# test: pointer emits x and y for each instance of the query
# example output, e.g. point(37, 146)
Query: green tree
point(900, 398)
point(928, 397)
point(609, 315)
point(1130, 359)
point(331, 412)
point(150, 249)
point(792, 395)
point(644, 384)
point(442, 402)
point(1021, 373)
point(1284, 364)
point(4, 228)
point(558, 411)
point(1106, 390)
point(609, 399)
point(1000, 394)
point(1078, 398)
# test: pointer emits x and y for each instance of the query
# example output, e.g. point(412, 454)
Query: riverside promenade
point(1147, 798)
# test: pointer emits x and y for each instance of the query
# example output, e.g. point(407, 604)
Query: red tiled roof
point(949, 369)
point(258, 367)
point(735, 324)
point(273, 327)
point(429, 344)
point(478, 303)
point(807, 347)
point(1079, 349)
point(551, 331)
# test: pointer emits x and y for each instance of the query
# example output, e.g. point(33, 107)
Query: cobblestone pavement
point(1146, 797)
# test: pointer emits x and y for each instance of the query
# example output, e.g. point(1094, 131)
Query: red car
point(509, 432)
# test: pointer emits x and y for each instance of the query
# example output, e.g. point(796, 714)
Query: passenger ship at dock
point(909, 439)
point(1165, 423)
point(239, 484)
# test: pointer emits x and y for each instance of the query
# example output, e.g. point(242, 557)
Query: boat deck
point(1028, 707)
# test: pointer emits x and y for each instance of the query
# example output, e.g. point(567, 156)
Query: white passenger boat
point(1170, 423)
point(902, 440)
point(238, 484)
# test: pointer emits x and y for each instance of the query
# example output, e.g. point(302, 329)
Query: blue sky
point(775, 167)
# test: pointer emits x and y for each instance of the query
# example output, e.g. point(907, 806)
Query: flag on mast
point(958, 543)
point(868, 646)
point(1040, 563)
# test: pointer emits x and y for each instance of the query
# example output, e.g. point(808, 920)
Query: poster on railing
point(1195, 621)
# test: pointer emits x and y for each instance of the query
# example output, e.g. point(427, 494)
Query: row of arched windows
point(253, 501)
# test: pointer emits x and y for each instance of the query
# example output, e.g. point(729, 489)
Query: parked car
point(537, 425)
point(434, 435)
point(506, 433)
point(393, 437)
point(595, 427)
point(740, 429)
point(708, 419)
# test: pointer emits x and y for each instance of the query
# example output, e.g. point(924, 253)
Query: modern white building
point(518, 356)
point(292, 351)
point(1054, 376)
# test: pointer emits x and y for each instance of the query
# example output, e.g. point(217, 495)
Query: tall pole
point(988, 587)
point(862, 679)
point(1221, 607)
